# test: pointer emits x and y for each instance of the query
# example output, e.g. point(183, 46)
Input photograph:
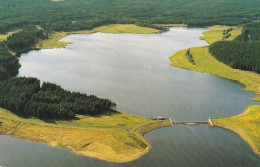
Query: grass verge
point(108, 137)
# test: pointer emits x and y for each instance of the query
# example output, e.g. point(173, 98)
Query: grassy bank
point(126, 28)
point(206, 63)
point(108, 137)
point(53, 41)
point(246, 125)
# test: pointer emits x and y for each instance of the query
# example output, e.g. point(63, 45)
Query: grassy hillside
point(108, 137)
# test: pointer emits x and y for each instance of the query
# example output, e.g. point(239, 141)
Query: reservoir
point(133, 70)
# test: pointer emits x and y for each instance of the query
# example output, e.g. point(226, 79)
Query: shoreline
point(93, 137)
point(206, 63)
point(239, 135)
point(134, 133)
point(54, 40)
point(243, 125)
point(115, 142)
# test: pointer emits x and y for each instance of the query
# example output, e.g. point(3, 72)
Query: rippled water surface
point(133, 70)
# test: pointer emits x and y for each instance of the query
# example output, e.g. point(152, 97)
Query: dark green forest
point(25, 97)
point(19, 42)
point(85, 14)
point(9, 65)
point(26, 39)
point(241, 53)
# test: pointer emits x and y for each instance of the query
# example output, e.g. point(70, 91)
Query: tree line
point(9, 65)
point(190, 57)
point(26, 39)
point(25, 97)
point(241, 53)
point(19, 42)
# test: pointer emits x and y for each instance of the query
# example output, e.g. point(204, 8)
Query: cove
point(133, 70)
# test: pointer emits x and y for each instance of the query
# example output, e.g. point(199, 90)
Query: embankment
point(117, 138)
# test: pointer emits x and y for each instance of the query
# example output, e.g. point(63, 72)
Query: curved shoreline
point(54, 40)
point(88, 135)
point(241, 135)
point(243, 125)
point(206, 63)
point(115, 142)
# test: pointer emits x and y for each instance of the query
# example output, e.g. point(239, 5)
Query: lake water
point(133, 70)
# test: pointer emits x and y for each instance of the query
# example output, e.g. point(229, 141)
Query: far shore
point(54, 40)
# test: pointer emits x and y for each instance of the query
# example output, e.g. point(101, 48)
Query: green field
point(117, 137)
